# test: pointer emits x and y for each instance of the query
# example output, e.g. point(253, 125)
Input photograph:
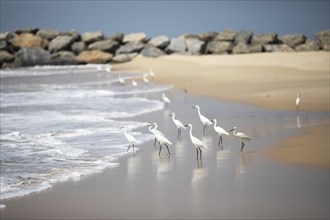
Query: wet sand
point(225, 184)
point(269, 80)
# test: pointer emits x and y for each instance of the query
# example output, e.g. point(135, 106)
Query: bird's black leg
point(155, 142)
point(133, 147)
point(200, 154)
point(128, 147)
point(242, 146)
point(204, 128)
point(160, 149)
point(178, 135)
point(197, 153)
point(219, 140)
point(168, 149)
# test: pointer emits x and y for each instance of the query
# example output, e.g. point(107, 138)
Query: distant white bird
point(145, 79)
point(243, 137)
point(99, 67)
point(151, 73)
point(198, 143)
point(108, 68)
point(165, 99)
point(298, 100)
point(205, 121)
point(131, 140)
point(161, 139)
point(134, 83)
point(220, 131)
point(121, 80)
point(178, 124)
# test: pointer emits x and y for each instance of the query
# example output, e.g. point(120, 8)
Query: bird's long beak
point(231, 130)
point(193, 107)
point(186, 125)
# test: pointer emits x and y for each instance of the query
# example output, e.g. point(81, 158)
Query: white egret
point(178, 124)
point(198, 143)
point(220, 131)
point(155, 131)
point(131, 140)
point(298, 100)
point(151, 73)
point(134, 83)
point(161, 139)
point(121, 80)
point(165, 99)
point(108, 69)
point(243, 137)
point(145, 79)
point(205, 121)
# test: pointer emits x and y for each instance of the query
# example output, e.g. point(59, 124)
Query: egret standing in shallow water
point(145, 79)
point(131, 140)
point(243, 137)
point(166, 99)
point(121, 80)
point(205, 121)
point(151, 73)
point(154, 131)
point(220, 131)
point(134, 83)
point(298, 100)
point(178, 124)
point(161, 139)
point(198, 143)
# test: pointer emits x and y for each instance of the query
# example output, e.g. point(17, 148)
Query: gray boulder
point(74, 34)
point(121, 58)
point(90, 37)
point(226, 35)
point(119, 37)
point(293, 40)
point(160, 41)
point(60, 43)
point(135, 37)
point(32, 56)
point(241, 48)
point(5, 57)
point(3, 45)
point(177, 45)
point(78, 47)
point(258, 48)
point(151, 51)
point(219, 47)
point(48, 34)
point(208, 36)
point(94, 56)
point(63, 58)
point(105, 45)
point(27, 30)
point(310, 45)
point(278, 48)
point(243, 37)
point(270, 38)
point(195, 46)
point(323, 38)
point(131, 47)
point(6, 36)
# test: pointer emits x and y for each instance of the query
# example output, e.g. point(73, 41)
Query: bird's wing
point(205, 120)
point(221, 130)
point(179, 124)
point(242, 135)
point(164, 140)
point(198, 142)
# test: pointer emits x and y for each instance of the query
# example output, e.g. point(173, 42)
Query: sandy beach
point(269, 80)
point(283, 172)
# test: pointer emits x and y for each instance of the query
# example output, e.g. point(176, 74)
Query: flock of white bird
point(199, 145)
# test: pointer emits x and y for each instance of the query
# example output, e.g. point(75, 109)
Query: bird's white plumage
point(159, 135)
point(165, 99)
point(203, 119)
point(151, 73)
point(240, 135)
point(145, 79)
point(134, 83)
point(130, 138)
point(121, 80)
point(156, 130)
point(298, 99)
point(198, 143)
point(177, 123)
point(219, 129)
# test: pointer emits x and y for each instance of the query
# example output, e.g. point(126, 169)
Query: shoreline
point(269, 81)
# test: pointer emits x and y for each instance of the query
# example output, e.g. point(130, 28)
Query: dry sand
point(269, 80)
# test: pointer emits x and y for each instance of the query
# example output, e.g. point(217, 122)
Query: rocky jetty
point(34, 46)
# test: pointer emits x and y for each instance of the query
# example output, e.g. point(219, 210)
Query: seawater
point(60, 123)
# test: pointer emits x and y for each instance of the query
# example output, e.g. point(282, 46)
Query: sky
point(171, 18)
